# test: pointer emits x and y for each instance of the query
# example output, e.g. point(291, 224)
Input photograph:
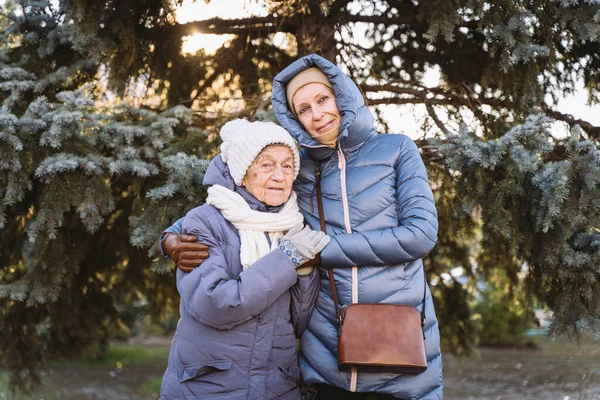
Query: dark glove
point(184, 250)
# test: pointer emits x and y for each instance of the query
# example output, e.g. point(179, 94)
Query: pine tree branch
point(572, 121)
point(410, 100)
point(270, 24)
point(442, 97)
point(393, 88)
point(405, 19)
point(254, 26)
point(435, 118)
point(418, 95)
point(429, 152)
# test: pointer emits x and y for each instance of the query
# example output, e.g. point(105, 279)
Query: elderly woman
point(242, 311)
point(379, 211)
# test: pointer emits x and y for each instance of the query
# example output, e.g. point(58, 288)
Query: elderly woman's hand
point(302, 244)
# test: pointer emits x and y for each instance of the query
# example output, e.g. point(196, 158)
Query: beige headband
point(310, 75)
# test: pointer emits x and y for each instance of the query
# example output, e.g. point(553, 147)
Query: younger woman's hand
point(184, 250)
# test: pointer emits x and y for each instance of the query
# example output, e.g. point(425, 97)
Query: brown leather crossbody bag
point(377, 337)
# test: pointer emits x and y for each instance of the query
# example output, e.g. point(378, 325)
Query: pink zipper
point(342, 167)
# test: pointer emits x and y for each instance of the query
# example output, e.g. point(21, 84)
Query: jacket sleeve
point(175, 228)
point(304, 296)
point(412, 239)
point(213, 297)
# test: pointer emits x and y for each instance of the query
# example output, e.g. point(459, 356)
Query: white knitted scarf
point(252, 224)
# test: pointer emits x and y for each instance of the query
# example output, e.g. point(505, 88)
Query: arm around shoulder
point(175, 228)
point(213, 296)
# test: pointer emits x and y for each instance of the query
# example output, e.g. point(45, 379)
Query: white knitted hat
point(244, 140)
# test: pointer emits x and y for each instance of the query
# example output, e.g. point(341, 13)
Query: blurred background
point(110, 113)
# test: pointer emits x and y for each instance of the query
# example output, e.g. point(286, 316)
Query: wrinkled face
point(317, 111)
point(270, 176)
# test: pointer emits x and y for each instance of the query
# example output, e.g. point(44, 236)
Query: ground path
point(560, 371)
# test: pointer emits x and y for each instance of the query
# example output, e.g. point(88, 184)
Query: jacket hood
point(218, 173)
point(357, 121)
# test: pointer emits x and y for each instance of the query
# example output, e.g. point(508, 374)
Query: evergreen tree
point(76, 175)
point(538, 198)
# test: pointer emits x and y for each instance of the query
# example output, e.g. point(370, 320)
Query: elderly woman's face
point(317, 111)
point(270, 176)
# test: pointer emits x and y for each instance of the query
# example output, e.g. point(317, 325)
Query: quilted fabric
point(236, 337)
point(380, 214)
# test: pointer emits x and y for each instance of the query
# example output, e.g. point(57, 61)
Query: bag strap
point(330, 270)
point(324, 229)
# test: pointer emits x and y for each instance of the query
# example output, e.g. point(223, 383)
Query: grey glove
point(302, 244)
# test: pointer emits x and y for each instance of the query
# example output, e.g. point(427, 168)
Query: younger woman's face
point(317, 111)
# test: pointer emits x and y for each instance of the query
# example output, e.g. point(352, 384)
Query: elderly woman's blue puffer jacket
point(234, 339)
point(380, 214)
